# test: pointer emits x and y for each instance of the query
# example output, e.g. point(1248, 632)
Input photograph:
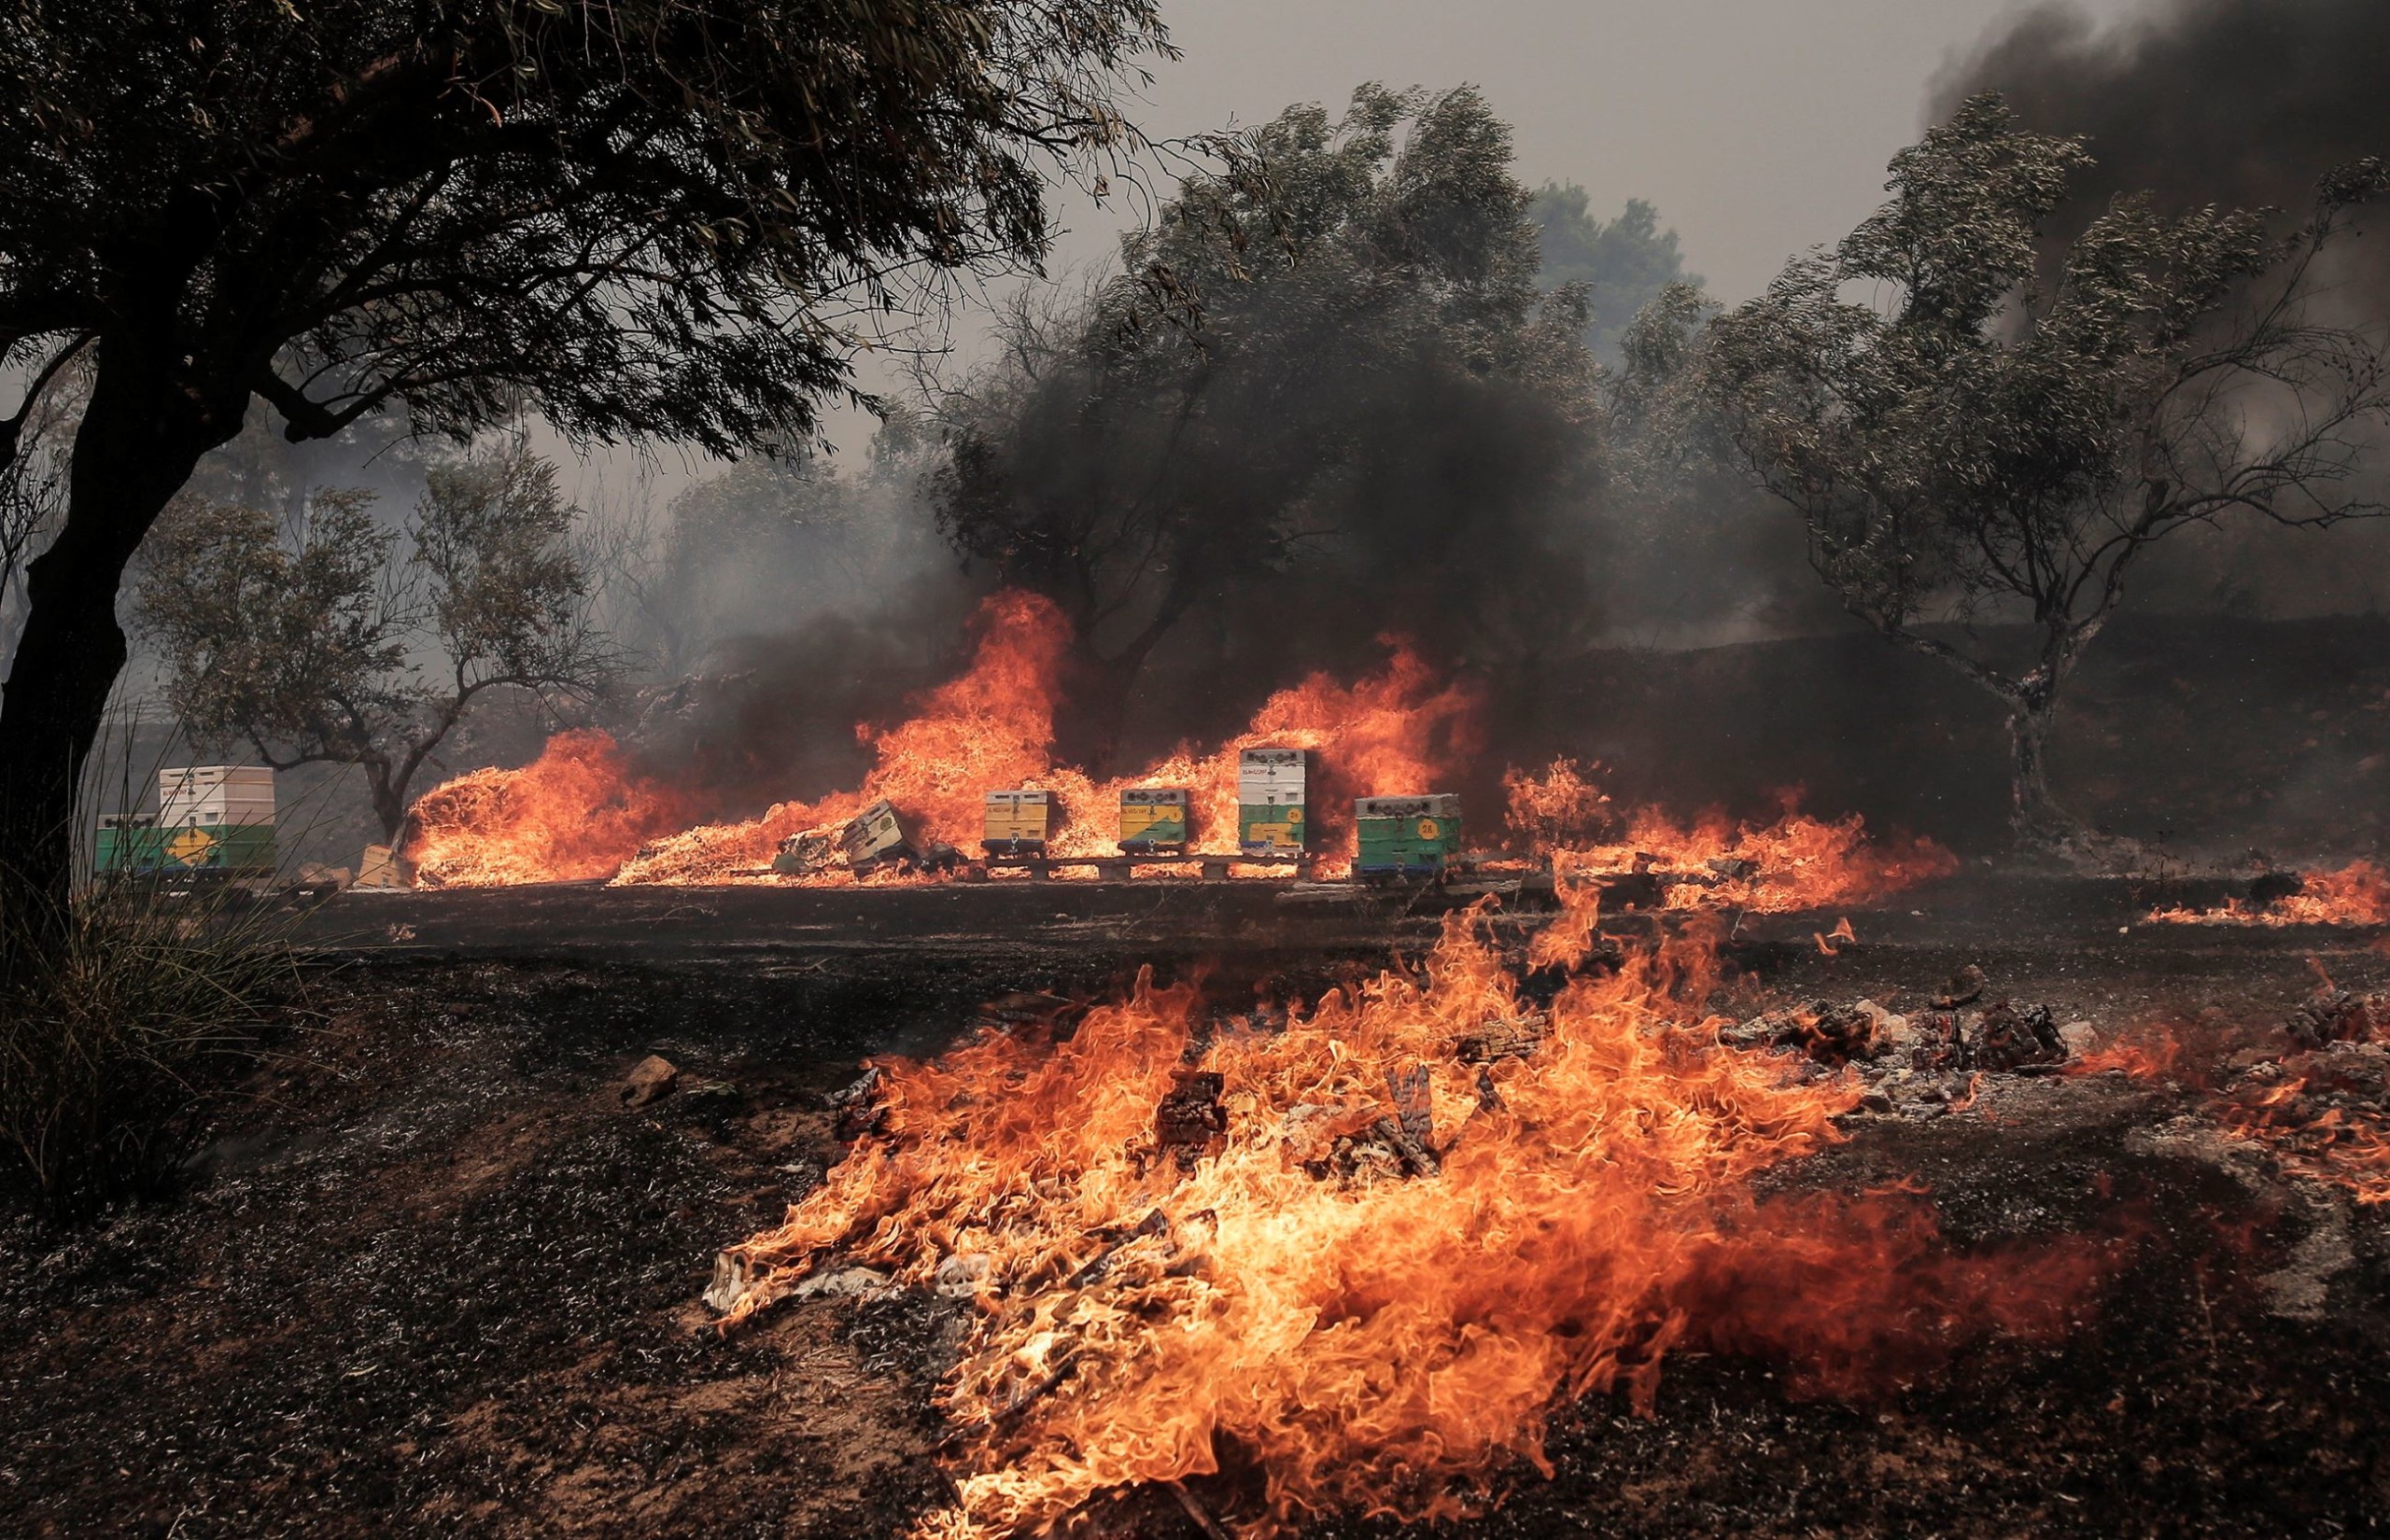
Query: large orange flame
point(1796, 862)
point(1387, 1237)
point(574, 812)
point(989, 728)
point(1401, 731)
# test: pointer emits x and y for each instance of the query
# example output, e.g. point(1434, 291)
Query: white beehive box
point(1272, 777)
point(196, 796)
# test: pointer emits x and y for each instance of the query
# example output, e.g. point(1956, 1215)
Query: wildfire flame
point(577, 812)
point(991, 726)
point(2145, 1051)
point(1371, 1248)
point(570, 815)
point(1796, 862)
point(2356, 894)
point(2314, 1129)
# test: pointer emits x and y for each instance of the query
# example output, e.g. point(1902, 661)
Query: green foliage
point(633, 219)
point(1962, 438)
point(1623, 264)
point(337, 646)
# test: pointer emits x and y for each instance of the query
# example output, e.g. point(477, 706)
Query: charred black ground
point(432, 1276)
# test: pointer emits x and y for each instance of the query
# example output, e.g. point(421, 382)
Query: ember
point(1371, 1247)
point(2323, 1115)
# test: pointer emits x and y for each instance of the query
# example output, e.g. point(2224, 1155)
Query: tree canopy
point(1969, 437)
point(1330, 351)
point(636, 218)
point(352, 642)
point(1623, 264)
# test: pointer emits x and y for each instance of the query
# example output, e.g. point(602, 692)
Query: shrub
point(111, 1030)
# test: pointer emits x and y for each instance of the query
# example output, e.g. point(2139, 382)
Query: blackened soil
point(432, 1277)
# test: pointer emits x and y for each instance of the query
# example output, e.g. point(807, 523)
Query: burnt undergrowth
point(431, 1275)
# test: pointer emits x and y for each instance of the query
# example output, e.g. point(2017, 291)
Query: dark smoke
point(2236, 102)
point(2243, 103)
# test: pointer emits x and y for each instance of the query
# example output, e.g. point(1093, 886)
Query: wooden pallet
point(1119, 868)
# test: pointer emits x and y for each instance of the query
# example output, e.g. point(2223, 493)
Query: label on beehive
point(1154, 819)
point(1018, 823)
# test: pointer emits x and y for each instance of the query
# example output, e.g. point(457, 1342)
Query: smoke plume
point(2239, 103)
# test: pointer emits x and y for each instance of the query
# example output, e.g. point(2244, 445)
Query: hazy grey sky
point(1759, 127)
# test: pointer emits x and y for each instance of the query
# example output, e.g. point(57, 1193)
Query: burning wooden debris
point(1371, 1243)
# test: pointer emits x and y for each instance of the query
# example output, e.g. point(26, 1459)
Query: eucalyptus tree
point(1971, 430)
point(637, 218)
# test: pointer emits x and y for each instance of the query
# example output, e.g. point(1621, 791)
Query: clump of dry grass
point(111, 1030)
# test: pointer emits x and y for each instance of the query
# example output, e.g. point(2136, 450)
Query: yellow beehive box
point(1153, 819)
point(1018, 823)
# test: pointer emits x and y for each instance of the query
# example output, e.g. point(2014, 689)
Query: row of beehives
point(1398, 836)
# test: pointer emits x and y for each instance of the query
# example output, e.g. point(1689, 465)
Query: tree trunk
point(390, 803)
point(140, 437)
point(2035, 815)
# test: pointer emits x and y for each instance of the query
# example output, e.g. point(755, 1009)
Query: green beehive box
point(1153, 819)
point(129, 842)
point(1272, 790)
point(1406, 836)
point(135, 843)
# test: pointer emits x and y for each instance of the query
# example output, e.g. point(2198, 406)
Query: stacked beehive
point(210, 818)
point(1271, 813)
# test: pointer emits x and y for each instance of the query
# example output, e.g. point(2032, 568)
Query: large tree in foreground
point(1969, 439)
point(634, 218)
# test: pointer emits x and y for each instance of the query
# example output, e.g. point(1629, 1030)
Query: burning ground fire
point(579, 813)
point(2356, 894)
point(1370, 1247)
point(2317, 1101)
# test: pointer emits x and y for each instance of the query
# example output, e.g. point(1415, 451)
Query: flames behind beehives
point(579, 812)
point(1369, 1248)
